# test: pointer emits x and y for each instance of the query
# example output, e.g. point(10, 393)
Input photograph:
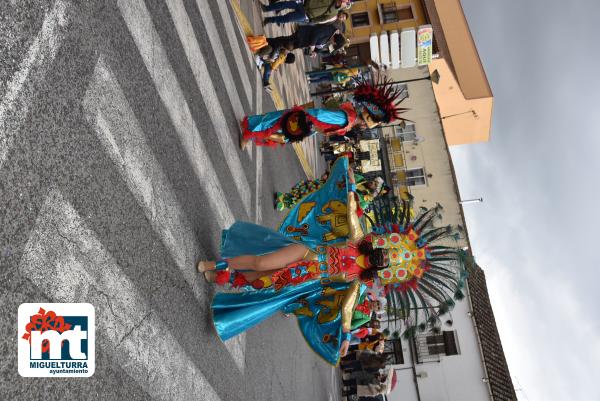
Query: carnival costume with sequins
point(286, 200)
point(377, 100)
point(324, 289)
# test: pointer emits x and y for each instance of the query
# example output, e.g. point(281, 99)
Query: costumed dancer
point(372, 105)
point(297, 270)
point(366, 191)
point(286, 200)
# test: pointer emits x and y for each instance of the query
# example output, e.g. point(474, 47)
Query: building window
point(392, 350)
point(415, 177)
point(403, 89)
point(430, 347)
point(444, 343)
point(408, 133)
point(360, 19)
point(392, 12)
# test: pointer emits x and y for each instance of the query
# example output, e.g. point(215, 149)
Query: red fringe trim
point(222, 277)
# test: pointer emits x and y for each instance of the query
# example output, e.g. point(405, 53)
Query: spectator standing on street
point(310, 37)
point(339, 76)
point(312, 11)
point(270, 58)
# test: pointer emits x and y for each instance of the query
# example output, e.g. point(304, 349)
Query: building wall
point(457, 377)
point(465, 120)
point(361, 34)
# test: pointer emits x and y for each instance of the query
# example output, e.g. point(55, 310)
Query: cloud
point(550, 345)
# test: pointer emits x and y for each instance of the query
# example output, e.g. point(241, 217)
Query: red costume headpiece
point(380, 99)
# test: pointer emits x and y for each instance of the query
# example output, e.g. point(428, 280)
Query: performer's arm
point(279, 138)
point(356, 232)
point(348, 304)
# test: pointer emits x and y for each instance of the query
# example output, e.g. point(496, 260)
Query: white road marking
point(184, 28)
point(259, 176)
point(139, 22)
point(215, 41)
point(65, 259)
point(258, 150)
point(117, 127)
point(32, 71)
point(217, 46)
point(235, 48)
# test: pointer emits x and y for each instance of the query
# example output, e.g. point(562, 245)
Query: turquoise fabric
point(234, 313)
point(244, 238)
point(310, 220)
point(262, 122)
point(334, 117)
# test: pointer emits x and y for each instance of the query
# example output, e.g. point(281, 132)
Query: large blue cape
point(234, 313)
point(313, 220)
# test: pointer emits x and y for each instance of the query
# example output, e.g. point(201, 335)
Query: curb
point(275, 95)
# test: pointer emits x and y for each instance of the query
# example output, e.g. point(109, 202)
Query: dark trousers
point(297, 13)
point(267, 70)
point(320, 76)
point(281, 41)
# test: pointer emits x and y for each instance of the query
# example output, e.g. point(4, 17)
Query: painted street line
point(259, 158)
point(32, 71)
point(138, 20)
point(230, 32)
point(108, 110)
point(219, 55)
point(65, 259)
point(184, 28)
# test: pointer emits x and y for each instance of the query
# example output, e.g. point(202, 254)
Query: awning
point(408, 47)
point(384, 49)
point(395, 49)
point(374, 43)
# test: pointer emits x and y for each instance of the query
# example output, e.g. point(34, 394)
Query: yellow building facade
point(373, 17)
point(376, 16)
point(463, 95)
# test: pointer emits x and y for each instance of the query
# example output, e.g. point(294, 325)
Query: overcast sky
point(536, 234)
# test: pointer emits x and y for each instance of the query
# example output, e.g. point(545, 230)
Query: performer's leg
point(272, 261)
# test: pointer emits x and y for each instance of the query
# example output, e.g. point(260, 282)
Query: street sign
point(424, 44)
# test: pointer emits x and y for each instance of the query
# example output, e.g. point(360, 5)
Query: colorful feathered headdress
point(422, 279)
point(380, 99)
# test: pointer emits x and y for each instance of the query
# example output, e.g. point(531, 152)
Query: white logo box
point(78, 363)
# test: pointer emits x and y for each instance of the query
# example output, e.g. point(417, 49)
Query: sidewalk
point(289, 82)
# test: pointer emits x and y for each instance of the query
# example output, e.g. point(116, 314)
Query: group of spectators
point(320, 29)
point(365, 372)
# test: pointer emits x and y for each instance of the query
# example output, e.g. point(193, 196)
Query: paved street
point(119, 166)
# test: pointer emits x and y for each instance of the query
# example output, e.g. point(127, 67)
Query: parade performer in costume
point(299, 271)
point(367, 191)
point(286, 200)
point(372, 104)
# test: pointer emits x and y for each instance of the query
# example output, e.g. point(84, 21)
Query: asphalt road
point(119, 166)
